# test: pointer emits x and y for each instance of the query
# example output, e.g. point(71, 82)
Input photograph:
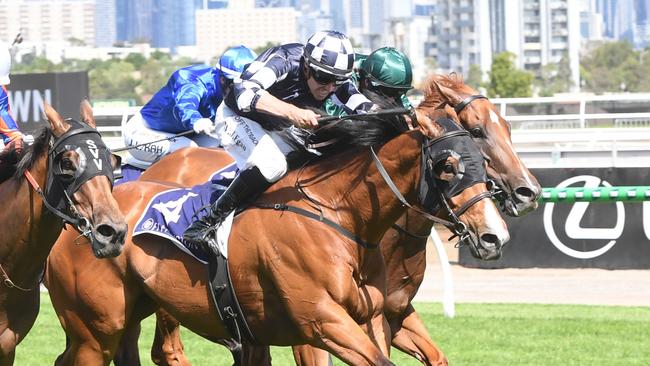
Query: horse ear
point(427, 126)
point(87, 113)
point(57, 123)
point(448, 93)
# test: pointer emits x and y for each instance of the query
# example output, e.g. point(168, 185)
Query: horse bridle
point(497, 192)
point(453, 222)
point(60, 187)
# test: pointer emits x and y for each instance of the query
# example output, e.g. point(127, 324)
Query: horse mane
point(34, 151)
point(432, 95)
point(358, 132)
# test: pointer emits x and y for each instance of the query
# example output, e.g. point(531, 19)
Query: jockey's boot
point(246, 186)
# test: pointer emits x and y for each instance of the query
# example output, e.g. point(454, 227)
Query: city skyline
point(456, 34)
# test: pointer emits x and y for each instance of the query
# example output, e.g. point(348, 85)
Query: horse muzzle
point(107, 239)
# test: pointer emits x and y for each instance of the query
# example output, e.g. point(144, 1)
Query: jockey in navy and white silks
point(188, 102)
point(281, 82)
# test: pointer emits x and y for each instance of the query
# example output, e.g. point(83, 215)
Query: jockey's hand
point(203, 125)
point(28, 139)
point(304, 118)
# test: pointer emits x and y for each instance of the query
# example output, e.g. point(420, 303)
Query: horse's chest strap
point(321, 218)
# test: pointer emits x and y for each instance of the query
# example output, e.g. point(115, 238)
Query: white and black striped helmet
point(330, 52)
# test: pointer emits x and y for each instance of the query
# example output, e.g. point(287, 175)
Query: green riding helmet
point(388, 67)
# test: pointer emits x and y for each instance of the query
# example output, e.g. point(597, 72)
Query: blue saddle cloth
point(170, 212)
point(129, 174)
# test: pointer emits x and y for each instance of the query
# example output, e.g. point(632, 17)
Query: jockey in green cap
point(385, 71)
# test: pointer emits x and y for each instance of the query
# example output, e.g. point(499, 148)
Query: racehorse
point(70, 160)
point(292, 273)
point(404, 245)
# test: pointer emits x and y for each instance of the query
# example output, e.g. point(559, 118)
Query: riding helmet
point(388, 67)
point(330, 52)
point(233, 61)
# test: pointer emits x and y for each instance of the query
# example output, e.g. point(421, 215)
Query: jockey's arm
point(187, 96)
point(303, 118)
point(251, 92)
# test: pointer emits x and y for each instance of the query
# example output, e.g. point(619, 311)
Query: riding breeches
point(136, 132)
point(251, 145)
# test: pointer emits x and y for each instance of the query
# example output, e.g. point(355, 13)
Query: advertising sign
point(28, 92)
point(612, 235)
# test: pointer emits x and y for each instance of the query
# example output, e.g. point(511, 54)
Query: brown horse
point(292, 273)
point(75, 167)
point(404, 252)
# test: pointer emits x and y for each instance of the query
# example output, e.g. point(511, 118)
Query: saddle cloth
point(170, 212)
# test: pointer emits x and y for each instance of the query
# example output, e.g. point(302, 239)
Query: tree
point(610, 66)
point(506, 81)
point(474, 76)
point(555, 78)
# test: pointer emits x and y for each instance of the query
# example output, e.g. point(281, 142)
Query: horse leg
point(8, 342)
point(128, 353)
point(337, 333)
point(306, 355)
point(167, 348)
point(411, 337)
point(255, 355)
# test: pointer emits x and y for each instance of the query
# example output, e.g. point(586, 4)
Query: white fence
point(573, 131)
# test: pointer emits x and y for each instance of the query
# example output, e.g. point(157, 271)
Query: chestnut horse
point(292, 273)
point(70, 160)
point(404, 252)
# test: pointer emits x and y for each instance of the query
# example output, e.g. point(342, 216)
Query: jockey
point(188, 102)
point(282, 82)
point(12, 138)
point(386, 71)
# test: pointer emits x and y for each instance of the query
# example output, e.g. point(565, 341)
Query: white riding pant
point(251, 145)
point(135, 132)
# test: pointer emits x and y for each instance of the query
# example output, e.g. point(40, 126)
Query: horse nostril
point(525, 194)
point(490, 238)
point(106, 230)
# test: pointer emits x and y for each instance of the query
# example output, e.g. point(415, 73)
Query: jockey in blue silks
point(188, 102)
point(11, 145)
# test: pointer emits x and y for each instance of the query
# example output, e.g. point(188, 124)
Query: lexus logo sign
point(574, 230)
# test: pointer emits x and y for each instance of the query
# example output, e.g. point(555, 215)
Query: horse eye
point(448, 169)
point(66, 164)
point(477, 132)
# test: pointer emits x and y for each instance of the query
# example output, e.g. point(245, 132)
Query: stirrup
point(199, 233)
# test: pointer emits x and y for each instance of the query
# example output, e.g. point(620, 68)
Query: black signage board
point(28, 92)
point(612, 235)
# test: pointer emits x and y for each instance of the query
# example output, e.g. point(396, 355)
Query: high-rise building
point(105, 23)
point(43, 21)
point(134, 20)
point(243, 23)
point(462, 35)
point(173, 23)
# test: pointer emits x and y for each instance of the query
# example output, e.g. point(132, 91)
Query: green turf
point(480, 334)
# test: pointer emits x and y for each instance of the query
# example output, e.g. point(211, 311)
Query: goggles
point(324, 78)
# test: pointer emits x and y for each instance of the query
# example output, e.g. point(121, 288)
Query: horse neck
point(31, 229)
point(358, 195)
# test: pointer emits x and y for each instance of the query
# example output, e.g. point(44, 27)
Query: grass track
point(480, 334)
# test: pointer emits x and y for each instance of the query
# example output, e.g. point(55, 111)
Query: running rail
point(595, 194)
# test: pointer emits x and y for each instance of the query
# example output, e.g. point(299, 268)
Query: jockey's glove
point(28, 139)
point(203, 125)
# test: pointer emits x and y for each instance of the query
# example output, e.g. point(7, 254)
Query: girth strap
point(321, 218)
